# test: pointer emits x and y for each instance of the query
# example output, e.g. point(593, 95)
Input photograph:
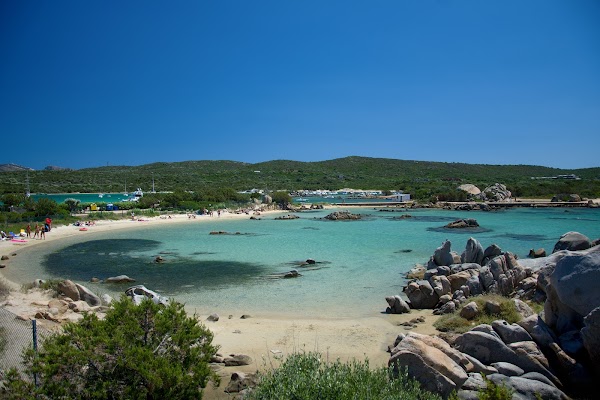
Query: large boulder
point(69, 289)
point(459, 279)
point(510, 333)
point(591, 337)
point(421, 295)
point(396, 305)
point(469, 188)
point(240, 381)
point(421, 358)
point(572, 292)
point(88, 296)
point(490, 252)
point(572, 241)
point(441, 285)
point(418, 369)
point(473, 252)
point(469, 311)
point(442, 255)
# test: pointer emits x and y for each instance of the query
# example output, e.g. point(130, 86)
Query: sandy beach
point(263, 339)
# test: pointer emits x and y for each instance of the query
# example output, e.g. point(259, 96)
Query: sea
point(357, 263)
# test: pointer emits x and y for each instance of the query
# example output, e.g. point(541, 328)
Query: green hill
point(421, 178)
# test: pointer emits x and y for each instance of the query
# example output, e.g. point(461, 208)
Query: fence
point(16, 336)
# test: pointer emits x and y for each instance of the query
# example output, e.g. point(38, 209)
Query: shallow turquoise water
point(359, 262)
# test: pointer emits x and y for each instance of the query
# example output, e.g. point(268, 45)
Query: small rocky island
point(463, 223)
point(343, 216)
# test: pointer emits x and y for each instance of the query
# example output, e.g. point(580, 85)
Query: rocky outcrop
point(495, 192)
point(463, 223)
point(441, 368)
point(572, 241)
point(286, 217)
point(538, 355)
point(470, 189)
point(432, 367)
point(572, 291)
point(396, 305)
point(119, 279)
point(343, 216)
point(421, 295)
point(590, 335)
point(241, 381)
point(69, 289)
point(473, 252)
point(88, 296)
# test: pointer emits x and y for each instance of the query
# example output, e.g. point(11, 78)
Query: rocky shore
point(554, 354)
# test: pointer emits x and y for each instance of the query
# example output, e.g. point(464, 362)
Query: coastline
point(264, 338)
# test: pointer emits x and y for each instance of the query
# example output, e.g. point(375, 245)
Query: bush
point(135, 352)
point(308, 376)
point(491, 391)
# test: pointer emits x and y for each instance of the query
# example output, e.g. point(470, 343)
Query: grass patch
point(50, 284)
point(455, 323)
point(308, 376)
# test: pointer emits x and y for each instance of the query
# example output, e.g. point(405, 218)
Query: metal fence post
point(35, 347)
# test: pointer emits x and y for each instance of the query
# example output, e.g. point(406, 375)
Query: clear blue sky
point(86, 83)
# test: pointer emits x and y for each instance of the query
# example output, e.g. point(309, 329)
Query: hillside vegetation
point(421, 178)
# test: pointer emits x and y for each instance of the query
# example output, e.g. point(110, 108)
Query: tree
point(136, 352)
point(45, 207)
point(12, 199)
point(72, 204)
point(282, 198)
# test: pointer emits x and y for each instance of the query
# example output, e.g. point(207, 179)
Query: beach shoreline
point(265, 338)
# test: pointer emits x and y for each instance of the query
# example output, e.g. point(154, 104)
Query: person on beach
point(49, 223)
point(28, 230)
point(36, 231)
point(43, 233)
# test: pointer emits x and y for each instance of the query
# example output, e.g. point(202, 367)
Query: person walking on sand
point(28, 230)
point(43, 233)
point(37, 231)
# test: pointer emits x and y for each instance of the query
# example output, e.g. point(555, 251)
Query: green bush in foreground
point(308, 376)
point(135, 352)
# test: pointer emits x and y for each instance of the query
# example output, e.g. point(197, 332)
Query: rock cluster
point(543, 355)
point(463, 223)
point(342, 215)
point(495, 192)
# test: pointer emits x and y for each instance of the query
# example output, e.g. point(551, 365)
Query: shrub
point(135, 352)
point(308, 376)
point(491, 391)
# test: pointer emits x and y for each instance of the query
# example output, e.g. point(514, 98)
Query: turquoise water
point(358, 262)
point(84, 197)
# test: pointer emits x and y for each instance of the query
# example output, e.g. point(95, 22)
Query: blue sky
point(86, 84)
